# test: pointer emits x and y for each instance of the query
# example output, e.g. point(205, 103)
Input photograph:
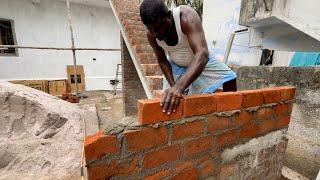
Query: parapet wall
point(226, 135)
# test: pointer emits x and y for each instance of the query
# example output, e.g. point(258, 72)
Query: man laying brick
point(178, 40)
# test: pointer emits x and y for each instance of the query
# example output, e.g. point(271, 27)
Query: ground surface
point(104, 109)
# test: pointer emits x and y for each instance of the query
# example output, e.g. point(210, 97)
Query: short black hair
point(152, 10)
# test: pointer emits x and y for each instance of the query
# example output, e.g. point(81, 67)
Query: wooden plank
point(41, 85)
point(58, 87)
point(81, 80)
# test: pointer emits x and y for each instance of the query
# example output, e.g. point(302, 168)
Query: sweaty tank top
point(181, 53)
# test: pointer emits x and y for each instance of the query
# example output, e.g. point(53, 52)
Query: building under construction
point(97, 52)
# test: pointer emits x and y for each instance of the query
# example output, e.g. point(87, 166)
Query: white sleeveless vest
point(181, 53)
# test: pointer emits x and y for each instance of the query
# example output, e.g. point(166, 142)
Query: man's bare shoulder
point(188, 17)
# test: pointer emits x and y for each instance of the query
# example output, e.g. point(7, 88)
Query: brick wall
point(236, 135)
point(135, 35)
point(132, 88)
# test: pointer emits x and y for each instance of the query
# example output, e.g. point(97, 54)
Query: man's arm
point(162, 59)
point(192, 27)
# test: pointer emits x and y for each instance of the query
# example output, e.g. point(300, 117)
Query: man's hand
point(171, 99)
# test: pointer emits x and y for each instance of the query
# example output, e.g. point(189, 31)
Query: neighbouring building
point(44, 23)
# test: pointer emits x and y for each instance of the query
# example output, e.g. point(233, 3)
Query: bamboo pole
point(57, 48)
point(73, 48)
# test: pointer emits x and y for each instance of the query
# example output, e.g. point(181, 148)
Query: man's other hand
point(171, 99)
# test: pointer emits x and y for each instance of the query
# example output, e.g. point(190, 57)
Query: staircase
point(134, 34)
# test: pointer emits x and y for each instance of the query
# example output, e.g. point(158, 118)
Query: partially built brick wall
point(234, 135)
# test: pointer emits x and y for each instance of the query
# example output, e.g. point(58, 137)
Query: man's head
point(156, 16)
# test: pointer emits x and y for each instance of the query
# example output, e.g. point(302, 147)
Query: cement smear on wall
point(40, 135)
point(254, 146)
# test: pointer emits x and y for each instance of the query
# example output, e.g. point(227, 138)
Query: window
point(7, 38)
point(78, 79)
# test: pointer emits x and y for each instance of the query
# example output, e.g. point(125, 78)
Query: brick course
point(190, 145)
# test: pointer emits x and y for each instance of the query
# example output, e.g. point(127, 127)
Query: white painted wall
point(290, 26)
point(220, 18)
point(46, 24)
point(282, 58)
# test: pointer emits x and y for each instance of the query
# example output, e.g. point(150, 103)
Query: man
point(178, 40)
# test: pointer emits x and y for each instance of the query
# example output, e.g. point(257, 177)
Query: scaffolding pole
point(5, 47)
point(73, 49)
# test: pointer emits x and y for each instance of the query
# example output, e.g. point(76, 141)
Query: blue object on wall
point(305, 59)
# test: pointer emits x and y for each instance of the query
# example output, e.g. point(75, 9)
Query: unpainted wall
point(303, 153)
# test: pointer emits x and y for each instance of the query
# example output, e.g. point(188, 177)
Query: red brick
point(271, 95)
point(180, 167)
point(151, 69)
point(287, 93)
point(267, 126)
point(228, 101)
point(188, 129)
point(251, 98)
point(249, 131)
point(159, 175)
point(216, 154)
point(283, 109)
point(216, 124)
point(290, 107)
point(244, 117)
point(99, 145)
point(152, 57)
point(264, 113)
point(199, 105)
point(190, 174)
point(114, 168)
point(65, 96)
point(161, 156)
point(198, 145)
point(149, 112)
point(155, 82)
point(207, 169)
point(138, 140)
point(226, 138)
point(140, 48)
point(228, 171)
point(283, 121)
point(202, 159)
point(142, 57)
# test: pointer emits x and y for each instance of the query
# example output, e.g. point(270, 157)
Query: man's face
point(160, 28)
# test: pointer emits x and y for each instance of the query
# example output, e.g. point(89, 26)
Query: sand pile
point(40, 135)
